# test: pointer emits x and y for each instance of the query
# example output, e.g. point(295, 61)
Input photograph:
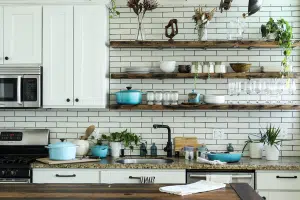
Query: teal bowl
point(225, 157)
point(100, 151)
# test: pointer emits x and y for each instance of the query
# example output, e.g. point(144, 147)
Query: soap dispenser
point(143, 150)
point(153, 150)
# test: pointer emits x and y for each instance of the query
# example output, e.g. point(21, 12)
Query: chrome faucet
point(168, 148)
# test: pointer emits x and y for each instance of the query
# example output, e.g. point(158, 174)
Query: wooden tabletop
point(114, 192)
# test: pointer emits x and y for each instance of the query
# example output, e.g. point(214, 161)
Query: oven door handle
point(19, 85)
point(233, 176)
point(14, 180)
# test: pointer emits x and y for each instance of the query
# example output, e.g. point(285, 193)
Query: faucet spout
point(168, 148)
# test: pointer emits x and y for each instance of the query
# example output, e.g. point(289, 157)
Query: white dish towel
point(198, 187)
point(219, 178)
point(205, 161)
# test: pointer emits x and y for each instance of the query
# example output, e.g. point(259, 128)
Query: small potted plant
point(272, 146)
point(269, 30)
point(117, 139)
point(256, 146)
point(282, 32)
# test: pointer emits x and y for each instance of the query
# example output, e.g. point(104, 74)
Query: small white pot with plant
point(272, 146)
point(116, 140)
point(256, 146)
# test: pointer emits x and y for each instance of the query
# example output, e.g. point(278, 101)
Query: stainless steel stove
point(19, 148)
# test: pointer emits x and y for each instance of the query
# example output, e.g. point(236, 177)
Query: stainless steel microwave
point(20, 87)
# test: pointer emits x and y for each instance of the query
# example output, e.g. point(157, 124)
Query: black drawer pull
point(132, 177)
point(65, 176)
point(290, 177)
point(264, 198)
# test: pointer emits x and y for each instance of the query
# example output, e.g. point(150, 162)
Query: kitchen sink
point(145, 161)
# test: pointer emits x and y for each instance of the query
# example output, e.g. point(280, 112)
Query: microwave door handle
point(19, 101)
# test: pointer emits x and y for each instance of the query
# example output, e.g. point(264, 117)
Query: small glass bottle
point(153, 150)
point(166, 98)
point(150, 97)
point(158, 96)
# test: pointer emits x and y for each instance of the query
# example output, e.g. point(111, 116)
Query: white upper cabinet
point(90, 56)
point(58, 56)
point(22, 34)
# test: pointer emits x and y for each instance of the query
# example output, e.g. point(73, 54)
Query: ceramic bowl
point(168, 66)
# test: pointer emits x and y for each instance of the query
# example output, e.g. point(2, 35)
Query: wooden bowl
point(240, 67)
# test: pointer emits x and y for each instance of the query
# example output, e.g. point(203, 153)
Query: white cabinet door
point(22, 34)
point(90, 56)
point(65, 176)
point(284, 195)
point(131, 176)
point(58, 56)
point(1, 36)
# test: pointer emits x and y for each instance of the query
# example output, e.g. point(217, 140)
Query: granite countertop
point(284, 163)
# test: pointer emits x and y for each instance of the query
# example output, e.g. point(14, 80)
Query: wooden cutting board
point(180, 142)
point(77, 160)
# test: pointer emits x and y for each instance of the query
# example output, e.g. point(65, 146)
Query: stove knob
point(3, 172)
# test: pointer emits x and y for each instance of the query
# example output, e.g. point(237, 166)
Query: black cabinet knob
point(264, 198)
point(68, 100)
point(6, 58)
point(77, 100)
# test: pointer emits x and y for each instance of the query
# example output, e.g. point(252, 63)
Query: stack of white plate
point(212, 99)
point(137, 70)
point(271, 68)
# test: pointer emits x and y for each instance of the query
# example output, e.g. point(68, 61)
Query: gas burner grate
point(16, 160)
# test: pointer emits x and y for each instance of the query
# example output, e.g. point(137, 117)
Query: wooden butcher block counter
point(114, 192)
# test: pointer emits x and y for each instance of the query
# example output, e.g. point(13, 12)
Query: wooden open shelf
point(200, 75)
point(198, 44)
point(206, 107)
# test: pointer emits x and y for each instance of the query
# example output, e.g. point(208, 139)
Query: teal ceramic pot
point(62, 150)
point(100, 151)
point(129, 97)
point(194, 97)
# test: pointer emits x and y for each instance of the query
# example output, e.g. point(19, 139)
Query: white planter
point(271, 36)
point(82, 147)
point(255, 150)
point(272, 153)
point(115, 149)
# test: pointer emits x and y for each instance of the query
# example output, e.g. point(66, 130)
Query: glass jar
point(208, 67)
point(196, 67)
point(166, 97)
point(220, 67)
point(174, 98)
point(150, 97)
point(158, 97)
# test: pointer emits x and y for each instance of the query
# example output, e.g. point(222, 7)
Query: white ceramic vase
point(271, 36)
point(255, 150)
point(272, 153)
point(82, 147)
point(115, 149)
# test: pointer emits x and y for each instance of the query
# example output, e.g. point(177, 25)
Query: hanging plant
point(113, 12)
point(283, 33)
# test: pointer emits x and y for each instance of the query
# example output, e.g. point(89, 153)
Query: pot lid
point(129, 90)
point(61, 144)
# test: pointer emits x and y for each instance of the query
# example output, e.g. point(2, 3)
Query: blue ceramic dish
point(225, 157)
point(100, 151)
point(62, 150)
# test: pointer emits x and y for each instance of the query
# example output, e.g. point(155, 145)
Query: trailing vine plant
point(284, 34)
point(113, 12)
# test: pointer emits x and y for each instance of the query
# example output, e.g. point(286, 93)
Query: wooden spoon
point(88, 132)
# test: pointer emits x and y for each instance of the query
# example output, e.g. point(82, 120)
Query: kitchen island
point(109, 192)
